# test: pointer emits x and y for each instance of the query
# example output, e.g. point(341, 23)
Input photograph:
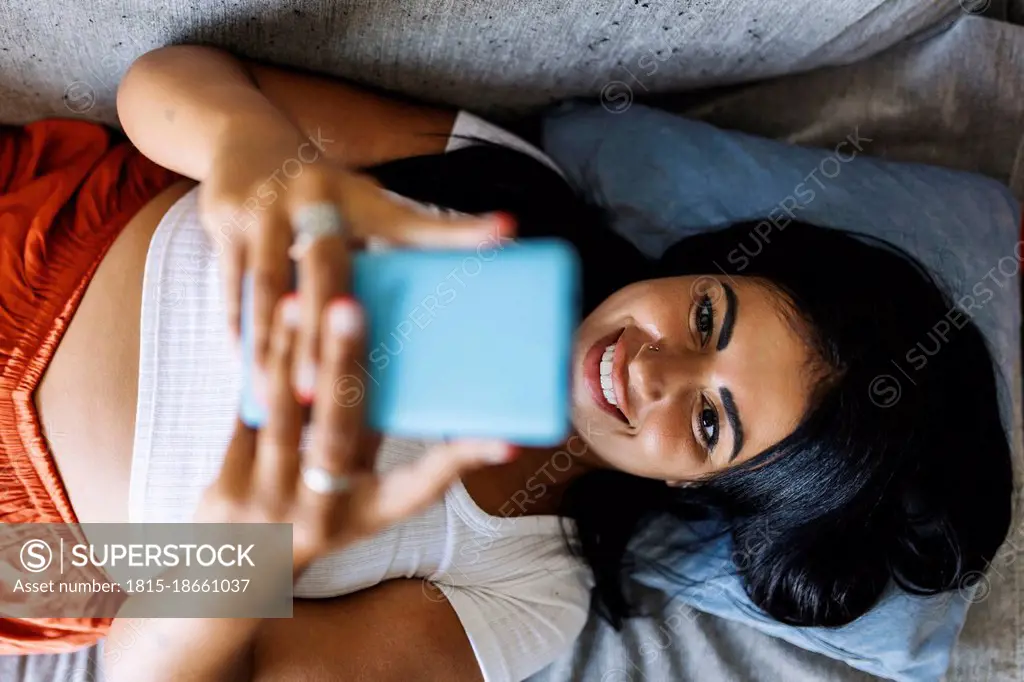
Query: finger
point(366, 455)
point(271, 273)
point(277, 455)
point(322, 276)
point(236, 469)
point(232, 269)
point(337, 418)
point(443, 227)
point(227, 239)
point(487, 231)
point(377, 213)
point(410, 488)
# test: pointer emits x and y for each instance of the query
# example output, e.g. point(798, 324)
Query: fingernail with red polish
point(291, 315)
point(502, 455)
point(305, 382)
point(345, 317)
point(506, 225)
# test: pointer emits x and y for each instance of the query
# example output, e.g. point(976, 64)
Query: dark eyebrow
point(729, 319)
point(734, 421)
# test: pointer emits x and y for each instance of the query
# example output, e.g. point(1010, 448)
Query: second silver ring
point(312, 222)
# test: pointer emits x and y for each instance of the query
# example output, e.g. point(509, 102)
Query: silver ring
point(323, 482)
point(314, 221)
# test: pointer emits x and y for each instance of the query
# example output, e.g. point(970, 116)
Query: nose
point(659, 372)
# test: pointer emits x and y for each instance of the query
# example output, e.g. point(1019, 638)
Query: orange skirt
point(67, 189)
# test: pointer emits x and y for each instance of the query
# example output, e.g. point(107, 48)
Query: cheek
point(663, 450)
point(660, 316)
point(634, 301)
point(665, 446)
point(666, 437)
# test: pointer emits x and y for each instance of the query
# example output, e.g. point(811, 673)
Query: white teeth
point(607, 388)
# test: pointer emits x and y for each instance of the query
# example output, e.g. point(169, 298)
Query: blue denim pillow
point(664, 177)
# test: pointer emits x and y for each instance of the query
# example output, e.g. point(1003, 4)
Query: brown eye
point(708, 424)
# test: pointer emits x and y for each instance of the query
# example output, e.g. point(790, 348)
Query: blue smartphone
point(460, 343)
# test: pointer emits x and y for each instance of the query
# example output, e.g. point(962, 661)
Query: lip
point(592, 374)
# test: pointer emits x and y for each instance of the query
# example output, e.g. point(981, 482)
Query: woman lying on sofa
point(741, 393)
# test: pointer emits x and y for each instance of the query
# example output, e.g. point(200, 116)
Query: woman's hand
point(263, 477)
point(249, 199)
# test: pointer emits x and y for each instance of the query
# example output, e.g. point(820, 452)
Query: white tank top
point(521, 597)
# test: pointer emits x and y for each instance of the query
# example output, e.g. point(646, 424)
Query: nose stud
point(653, 347)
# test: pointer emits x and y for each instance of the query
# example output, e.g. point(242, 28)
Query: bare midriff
point(87, 398)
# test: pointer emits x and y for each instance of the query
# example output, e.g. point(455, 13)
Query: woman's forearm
point(184, 649)
point(183, 105)
point(180, 649)
point(187, 649)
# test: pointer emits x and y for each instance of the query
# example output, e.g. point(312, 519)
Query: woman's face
point(681, 377)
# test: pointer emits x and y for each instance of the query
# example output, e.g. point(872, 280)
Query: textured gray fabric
point(689, 645)
point(941, 100)
point(483, 54)
point(952, 100)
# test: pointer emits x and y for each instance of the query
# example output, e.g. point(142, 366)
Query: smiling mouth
point(607, 385)
point(600, 375)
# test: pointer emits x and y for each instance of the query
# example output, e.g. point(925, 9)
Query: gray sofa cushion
point(66, 58)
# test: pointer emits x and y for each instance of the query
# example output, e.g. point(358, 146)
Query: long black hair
point(900, 469)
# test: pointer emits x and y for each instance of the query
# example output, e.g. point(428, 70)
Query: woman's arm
point(398, 631)
point(267, 144)
point(180, 104)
